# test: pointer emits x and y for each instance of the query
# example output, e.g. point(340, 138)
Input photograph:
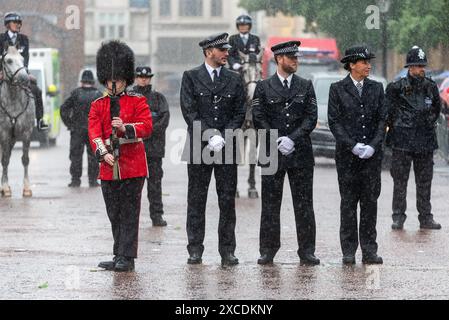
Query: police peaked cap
point(357, 53)
point(290, 48)
point(144, 72)
point(216, 41)
point(115, 61)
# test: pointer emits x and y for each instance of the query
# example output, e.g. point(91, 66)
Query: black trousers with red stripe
point(122, 199)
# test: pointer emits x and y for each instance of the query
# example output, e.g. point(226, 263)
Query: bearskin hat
point(115, 61)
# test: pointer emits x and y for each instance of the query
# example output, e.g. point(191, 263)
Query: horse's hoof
point(6, 193)
point(27, 193)
point(253, 194)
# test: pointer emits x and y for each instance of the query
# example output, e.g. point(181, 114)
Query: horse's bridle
point(7, 76)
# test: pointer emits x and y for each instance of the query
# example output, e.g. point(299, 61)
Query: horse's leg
point(6, 156)
point(27, 193)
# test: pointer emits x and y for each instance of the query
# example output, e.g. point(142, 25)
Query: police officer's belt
point(124, 141)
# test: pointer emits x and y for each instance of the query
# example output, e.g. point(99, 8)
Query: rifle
point(115, 112)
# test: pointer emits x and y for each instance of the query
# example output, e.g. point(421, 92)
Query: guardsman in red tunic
point(118, 123)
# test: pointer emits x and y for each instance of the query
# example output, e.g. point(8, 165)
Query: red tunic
point(136, 116)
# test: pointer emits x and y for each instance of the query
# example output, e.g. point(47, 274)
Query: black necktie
point(215, 72)
point(286, 84)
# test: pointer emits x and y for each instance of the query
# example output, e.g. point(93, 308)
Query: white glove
point(367, 153)
point(216, 143)
point(359, 149)
point(286, 146)
point(236, 66)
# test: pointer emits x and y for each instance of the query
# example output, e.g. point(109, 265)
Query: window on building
point(111, 25)
point(164, 8)
point(191, 8)
point(139, 3)
point(216, 8)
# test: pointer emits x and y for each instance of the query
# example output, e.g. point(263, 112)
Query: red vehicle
point(319, 55)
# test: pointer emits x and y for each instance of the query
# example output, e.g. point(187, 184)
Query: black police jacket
point(216, 105)
point(292, 112)
point(354, 119)
point(155, 145)
point(75, 110)
point(413, 109)
point(22, 45)
point(237, 45)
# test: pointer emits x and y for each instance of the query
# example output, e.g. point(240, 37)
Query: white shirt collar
point(289, 79)
point(355, 81)
point(11, 34)
point(211, 70)
point(243, 35)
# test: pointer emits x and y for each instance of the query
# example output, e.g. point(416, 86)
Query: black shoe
point(94, 184)
point(309, 260)
point(229, 260)
point(372, 259)
point(430, 224)
point(41, 125)
point(124, 264)
point(265, 259)
point(159, 222)
point(195, 258)
point(348, 259)
point(108, 265)
point(398, 222)
point(75, 184)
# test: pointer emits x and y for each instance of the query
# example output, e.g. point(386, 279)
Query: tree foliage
point(409, 22)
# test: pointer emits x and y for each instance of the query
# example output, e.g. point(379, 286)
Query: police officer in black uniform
point(357, 118)
point(212, 99)
point(244, 42)
point(414, 107)
point(13, 37)
point(287, 103)
point(75, 114)
point(155, 145)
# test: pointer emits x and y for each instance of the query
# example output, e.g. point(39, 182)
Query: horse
point(252, 73)
point(17, 114)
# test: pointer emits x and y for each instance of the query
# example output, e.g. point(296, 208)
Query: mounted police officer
point(155, 145)
point(357, 113)
point(118, 123)
point(13, 37)
point(414, 107)
point(75, 114)
point(287, 103)
point(244, 42)
point(212, 101)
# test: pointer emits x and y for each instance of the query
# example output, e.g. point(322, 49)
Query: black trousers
point(122, 199)
point(226, 184)
point(301, 185)
point(360, 183)
point(400, 171)
point(154, 187)
point(79, 141)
